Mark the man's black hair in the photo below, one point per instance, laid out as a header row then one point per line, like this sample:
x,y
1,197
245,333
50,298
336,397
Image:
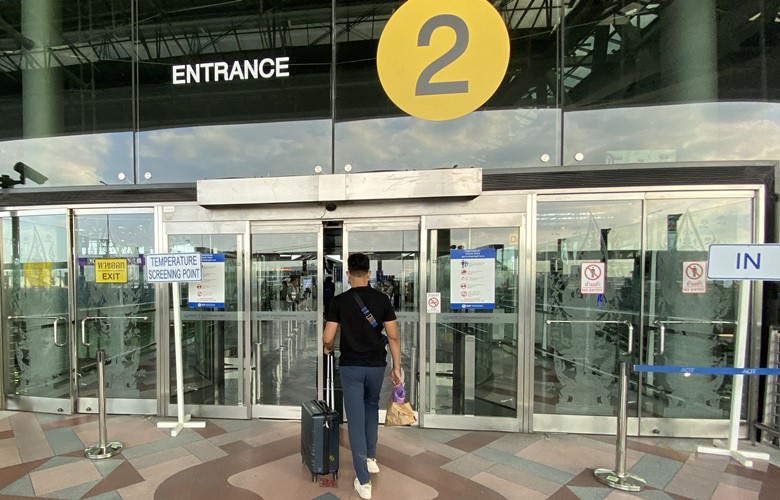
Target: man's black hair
x,y
358,263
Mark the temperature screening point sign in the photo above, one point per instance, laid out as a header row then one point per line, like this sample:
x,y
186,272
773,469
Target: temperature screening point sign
x,y
173,267
442,60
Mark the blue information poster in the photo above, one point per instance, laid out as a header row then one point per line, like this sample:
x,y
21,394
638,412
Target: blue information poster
x,y
473,279
210,291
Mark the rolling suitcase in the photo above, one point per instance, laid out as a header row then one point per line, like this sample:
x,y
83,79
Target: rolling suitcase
x,y
320,432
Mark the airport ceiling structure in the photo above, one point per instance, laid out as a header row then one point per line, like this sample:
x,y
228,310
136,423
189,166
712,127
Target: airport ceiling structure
x,y
569,54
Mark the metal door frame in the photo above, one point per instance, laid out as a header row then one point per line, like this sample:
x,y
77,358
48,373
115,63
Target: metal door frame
x,y
392,224
167,372
304,227
74,404
279,216
90,404
524,321
39,403
655,426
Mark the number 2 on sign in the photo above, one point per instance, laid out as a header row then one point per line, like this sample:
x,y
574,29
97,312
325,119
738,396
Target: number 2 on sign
x,y
442,60
424,84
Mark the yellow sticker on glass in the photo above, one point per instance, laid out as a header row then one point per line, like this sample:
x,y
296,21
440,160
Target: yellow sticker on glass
x,y
440,60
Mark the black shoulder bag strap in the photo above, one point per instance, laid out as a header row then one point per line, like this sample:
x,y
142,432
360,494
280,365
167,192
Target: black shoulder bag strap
x,y
364,309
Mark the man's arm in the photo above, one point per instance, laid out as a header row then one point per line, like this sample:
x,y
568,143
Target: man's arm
x,y
394,341
328,336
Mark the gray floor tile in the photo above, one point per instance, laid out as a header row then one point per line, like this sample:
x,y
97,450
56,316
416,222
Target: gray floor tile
x,y
56,461
468,465
110,495
21,487
656,471
541,470
63,440
73,492
161,445
107,466
586,493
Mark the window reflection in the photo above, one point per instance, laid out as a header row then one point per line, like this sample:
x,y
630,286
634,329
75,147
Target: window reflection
x,y
687,132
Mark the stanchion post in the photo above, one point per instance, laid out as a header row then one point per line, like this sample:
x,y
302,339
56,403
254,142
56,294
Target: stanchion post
x,y
618,478
104,449
183,420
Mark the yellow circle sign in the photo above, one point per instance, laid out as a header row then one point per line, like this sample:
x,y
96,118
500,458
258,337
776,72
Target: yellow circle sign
x,y
440,60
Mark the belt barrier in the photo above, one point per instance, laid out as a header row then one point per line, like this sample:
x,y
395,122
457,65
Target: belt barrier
x,y
706,370
729,448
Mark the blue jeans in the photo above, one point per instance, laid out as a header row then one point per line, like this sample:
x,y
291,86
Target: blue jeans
x,y
361,386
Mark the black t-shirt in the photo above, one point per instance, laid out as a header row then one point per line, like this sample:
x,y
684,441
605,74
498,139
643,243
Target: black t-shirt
x,y
361,344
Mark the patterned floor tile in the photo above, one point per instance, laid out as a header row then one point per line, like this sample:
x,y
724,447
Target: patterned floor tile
x,y
252,459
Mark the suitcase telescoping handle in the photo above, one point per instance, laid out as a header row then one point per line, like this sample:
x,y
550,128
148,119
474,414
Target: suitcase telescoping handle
x,y
330,398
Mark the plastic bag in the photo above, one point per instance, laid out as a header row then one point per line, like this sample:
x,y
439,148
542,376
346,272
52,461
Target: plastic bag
x,y
399,412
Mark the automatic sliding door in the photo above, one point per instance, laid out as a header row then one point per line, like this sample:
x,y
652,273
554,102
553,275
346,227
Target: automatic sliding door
x,y
286,322
394,251
473,345
214,347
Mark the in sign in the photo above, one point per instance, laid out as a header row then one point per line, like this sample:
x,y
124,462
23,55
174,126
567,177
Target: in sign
x,y
744,262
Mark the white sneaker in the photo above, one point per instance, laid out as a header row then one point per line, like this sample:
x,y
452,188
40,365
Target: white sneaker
x,y
364,490
373,467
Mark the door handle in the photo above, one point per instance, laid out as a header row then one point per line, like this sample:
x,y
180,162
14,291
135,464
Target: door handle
x,y
258,369
602,322
56,319
88,318
662,327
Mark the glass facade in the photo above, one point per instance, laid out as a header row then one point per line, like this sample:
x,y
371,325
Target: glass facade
x,y
143,92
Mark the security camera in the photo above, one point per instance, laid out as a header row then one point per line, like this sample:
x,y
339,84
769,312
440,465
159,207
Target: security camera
x,y
27,172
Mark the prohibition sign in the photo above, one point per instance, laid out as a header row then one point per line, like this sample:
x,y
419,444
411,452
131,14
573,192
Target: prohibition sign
x,y
694,271
433,302
592,272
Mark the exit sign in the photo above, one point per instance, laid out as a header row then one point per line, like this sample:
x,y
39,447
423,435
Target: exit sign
x,y
744,262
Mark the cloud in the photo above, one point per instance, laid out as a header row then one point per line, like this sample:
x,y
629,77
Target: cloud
x,y
246,150
72,160
695,132
498,139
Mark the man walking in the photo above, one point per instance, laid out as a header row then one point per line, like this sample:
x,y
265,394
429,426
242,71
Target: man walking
x,y
362,312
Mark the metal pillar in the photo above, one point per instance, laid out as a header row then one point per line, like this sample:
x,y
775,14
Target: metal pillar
x,y
102,449
618,478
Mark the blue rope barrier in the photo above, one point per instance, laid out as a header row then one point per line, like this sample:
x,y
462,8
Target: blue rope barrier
x,y
704,370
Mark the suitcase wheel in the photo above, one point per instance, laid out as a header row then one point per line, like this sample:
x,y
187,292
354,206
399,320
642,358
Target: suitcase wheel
x,y
313,478
335,475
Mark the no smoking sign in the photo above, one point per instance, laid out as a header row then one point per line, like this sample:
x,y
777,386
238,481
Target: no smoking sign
x,y
434,302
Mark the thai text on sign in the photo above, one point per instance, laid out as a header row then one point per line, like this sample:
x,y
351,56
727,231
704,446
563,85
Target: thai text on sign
x,y
110,270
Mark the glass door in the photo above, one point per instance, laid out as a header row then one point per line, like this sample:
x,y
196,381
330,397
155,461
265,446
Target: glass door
x,y
286,324
73,283
653,306
585,326
214,314
35,311
393,248
114,310
474,374
691,321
